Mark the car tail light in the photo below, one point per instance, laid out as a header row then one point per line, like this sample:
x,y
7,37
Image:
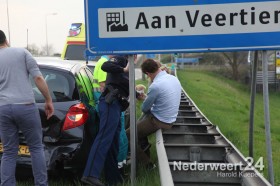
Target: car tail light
x,y
77,115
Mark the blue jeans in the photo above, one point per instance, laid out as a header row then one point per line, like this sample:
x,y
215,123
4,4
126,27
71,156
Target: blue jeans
x,y
24,117
104,150
123,141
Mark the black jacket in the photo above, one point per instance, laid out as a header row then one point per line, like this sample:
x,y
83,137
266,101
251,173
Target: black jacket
x,y
115,75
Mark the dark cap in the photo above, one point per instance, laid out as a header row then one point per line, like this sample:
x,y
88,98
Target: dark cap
x,y
2,37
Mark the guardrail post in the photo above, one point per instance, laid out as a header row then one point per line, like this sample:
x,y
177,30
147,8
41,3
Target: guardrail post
x,y
164,169
252,106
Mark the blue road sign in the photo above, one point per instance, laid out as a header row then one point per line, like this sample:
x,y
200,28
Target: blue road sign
x,y
187,60
151,56
170,26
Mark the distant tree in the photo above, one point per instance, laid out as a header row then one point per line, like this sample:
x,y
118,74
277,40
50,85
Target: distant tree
x,y
228,59
214,58
33,49
234,59
166,58
44,50
51,50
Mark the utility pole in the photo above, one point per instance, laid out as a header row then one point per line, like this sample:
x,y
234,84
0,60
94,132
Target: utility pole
x,y
8,22
27,39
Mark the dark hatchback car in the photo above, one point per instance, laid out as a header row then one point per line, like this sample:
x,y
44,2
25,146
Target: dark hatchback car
x,y
69,133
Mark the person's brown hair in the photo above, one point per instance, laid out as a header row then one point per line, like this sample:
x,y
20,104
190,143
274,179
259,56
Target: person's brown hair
x,y
149,66
2,37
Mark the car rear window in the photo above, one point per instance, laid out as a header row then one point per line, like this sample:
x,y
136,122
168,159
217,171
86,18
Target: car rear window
x,y
61,86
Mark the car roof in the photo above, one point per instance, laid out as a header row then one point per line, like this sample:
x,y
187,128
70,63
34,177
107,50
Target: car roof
x,y
68,65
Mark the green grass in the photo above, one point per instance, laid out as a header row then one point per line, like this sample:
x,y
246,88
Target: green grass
x,y
226,104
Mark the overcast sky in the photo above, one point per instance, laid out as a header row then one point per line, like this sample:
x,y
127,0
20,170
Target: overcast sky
x,y
33,15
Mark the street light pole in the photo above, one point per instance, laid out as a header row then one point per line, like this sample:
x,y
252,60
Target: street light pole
x,y
47,44
27,38
8,22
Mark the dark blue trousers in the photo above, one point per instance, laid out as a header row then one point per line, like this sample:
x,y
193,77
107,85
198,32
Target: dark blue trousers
x,y
24,117
104,150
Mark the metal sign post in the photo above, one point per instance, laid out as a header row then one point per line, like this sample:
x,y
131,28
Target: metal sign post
x,y
133,128
252,106
267,118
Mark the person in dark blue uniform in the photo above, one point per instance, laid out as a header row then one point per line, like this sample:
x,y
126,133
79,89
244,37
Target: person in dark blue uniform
x,y
112,102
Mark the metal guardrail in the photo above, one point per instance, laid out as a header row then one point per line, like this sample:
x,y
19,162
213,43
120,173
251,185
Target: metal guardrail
x,y
271,75
164,169
195,152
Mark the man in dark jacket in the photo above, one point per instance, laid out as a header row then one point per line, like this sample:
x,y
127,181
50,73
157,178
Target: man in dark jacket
x,y
104,150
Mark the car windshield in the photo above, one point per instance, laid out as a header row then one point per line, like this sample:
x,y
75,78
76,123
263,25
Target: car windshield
x,y
61,86
75,52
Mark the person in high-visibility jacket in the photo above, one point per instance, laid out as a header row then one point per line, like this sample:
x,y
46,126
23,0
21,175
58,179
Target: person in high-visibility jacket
x,y
99,78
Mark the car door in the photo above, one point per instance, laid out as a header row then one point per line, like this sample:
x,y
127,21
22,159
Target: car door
x,y
84,79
